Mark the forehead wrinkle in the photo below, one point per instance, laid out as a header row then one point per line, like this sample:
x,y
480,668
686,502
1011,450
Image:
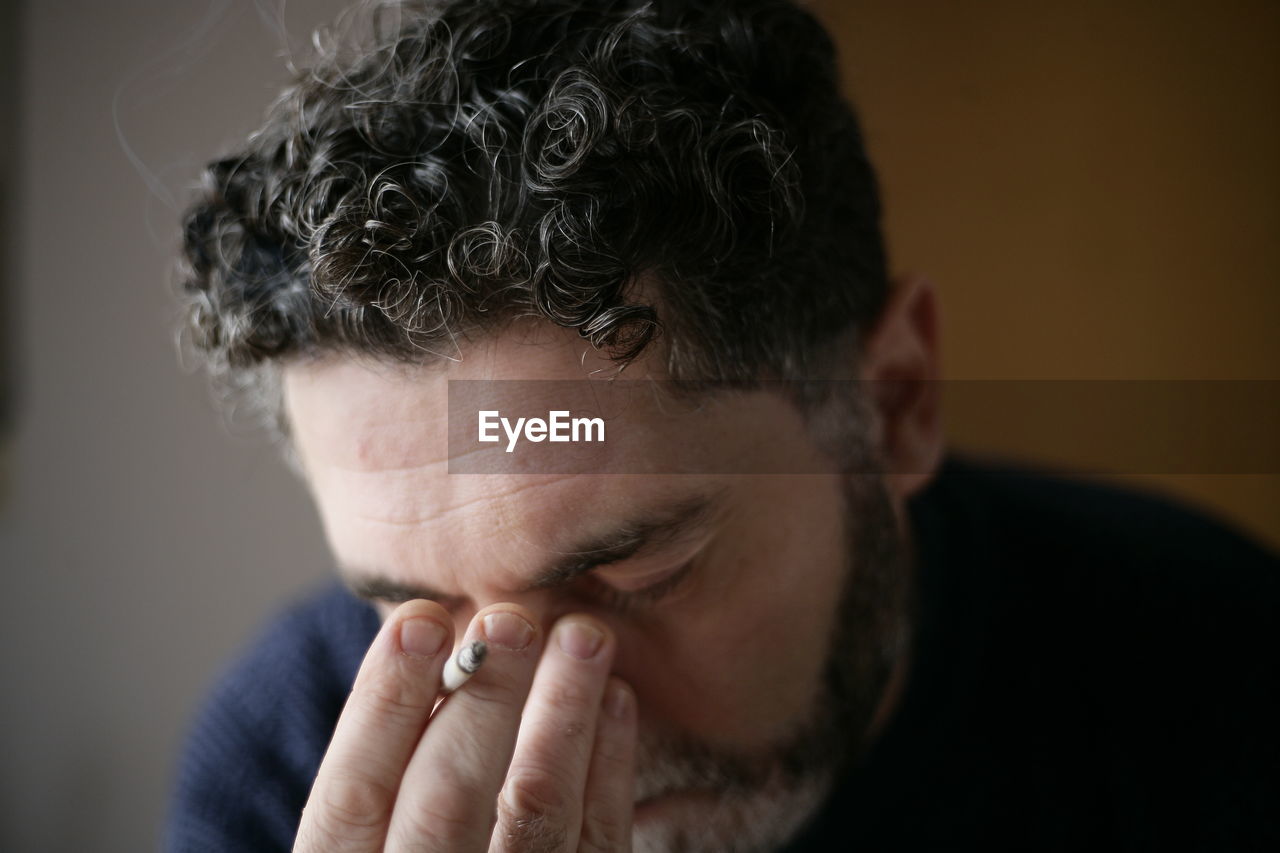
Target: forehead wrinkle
x,y
452,557
514,561
518,542
445,512
528,527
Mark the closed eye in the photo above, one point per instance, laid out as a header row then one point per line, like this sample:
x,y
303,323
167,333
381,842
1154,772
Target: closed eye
x,y
625,600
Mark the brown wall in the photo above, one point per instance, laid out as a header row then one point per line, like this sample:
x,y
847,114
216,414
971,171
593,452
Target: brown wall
x,y
1095,188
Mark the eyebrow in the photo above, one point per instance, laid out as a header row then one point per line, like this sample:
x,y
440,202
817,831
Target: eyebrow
x,y
647,532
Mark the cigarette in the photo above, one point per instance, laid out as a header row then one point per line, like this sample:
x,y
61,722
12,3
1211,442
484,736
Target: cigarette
x,y
463,665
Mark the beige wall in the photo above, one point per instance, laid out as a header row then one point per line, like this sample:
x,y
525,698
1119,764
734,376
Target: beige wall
x,y
1095,188
141,542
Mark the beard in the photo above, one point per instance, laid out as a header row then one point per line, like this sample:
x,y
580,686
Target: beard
x,y
763,799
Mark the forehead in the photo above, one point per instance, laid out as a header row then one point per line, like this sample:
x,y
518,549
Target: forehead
x,y
373,438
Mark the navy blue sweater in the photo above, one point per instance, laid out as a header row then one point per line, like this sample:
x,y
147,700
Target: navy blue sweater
x,y
1090,665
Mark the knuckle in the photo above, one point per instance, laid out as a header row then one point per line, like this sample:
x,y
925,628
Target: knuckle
x,y
567,696
479,747
395,698
533,810
353,806
450,817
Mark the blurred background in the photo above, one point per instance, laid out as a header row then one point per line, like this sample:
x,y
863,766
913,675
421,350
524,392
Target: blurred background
x,y
1094,188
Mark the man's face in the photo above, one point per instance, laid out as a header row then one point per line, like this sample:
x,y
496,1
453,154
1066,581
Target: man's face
x,y
730,594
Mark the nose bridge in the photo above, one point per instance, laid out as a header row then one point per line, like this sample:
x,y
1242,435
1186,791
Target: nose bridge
x,y
544,605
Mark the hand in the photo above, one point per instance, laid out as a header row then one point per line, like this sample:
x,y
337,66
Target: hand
x,y
516,760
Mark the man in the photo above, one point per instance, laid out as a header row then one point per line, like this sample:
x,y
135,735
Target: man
x,y
763,613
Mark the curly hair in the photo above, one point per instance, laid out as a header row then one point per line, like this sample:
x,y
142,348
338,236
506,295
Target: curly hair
x,y
468,162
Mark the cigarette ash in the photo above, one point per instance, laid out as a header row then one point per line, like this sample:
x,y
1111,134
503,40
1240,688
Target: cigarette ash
x,y
471,656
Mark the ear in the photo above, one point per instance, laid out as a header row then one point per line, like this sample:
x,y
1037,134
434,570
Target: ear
x,y
899,367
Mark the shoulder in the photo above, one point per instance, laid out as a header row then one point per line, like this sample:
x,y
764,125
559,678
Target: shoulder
x,y
304,660
254,747
1054,520
1126,647
1090,559
316,642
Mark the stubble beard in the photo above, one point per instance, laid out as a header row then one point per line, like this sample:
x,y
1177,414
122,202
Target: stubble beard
x,y
764,799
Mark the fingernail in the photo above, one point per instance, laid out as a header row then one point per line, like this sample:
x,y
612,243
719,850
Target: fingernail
x,y
421,638
617,701
579,639
507,630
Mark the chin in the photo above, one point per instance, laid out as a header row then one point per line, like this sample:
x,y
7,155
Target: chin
x,y
706,821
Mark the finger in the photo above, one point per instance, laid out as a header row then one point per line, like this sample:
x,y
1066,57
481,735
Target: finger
x,y
610,797
540,807
354,794
447,796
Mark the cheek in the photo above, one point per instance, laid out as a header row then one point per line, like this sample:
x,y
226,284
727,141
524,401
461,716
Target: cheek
x,y
746,680
743,661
